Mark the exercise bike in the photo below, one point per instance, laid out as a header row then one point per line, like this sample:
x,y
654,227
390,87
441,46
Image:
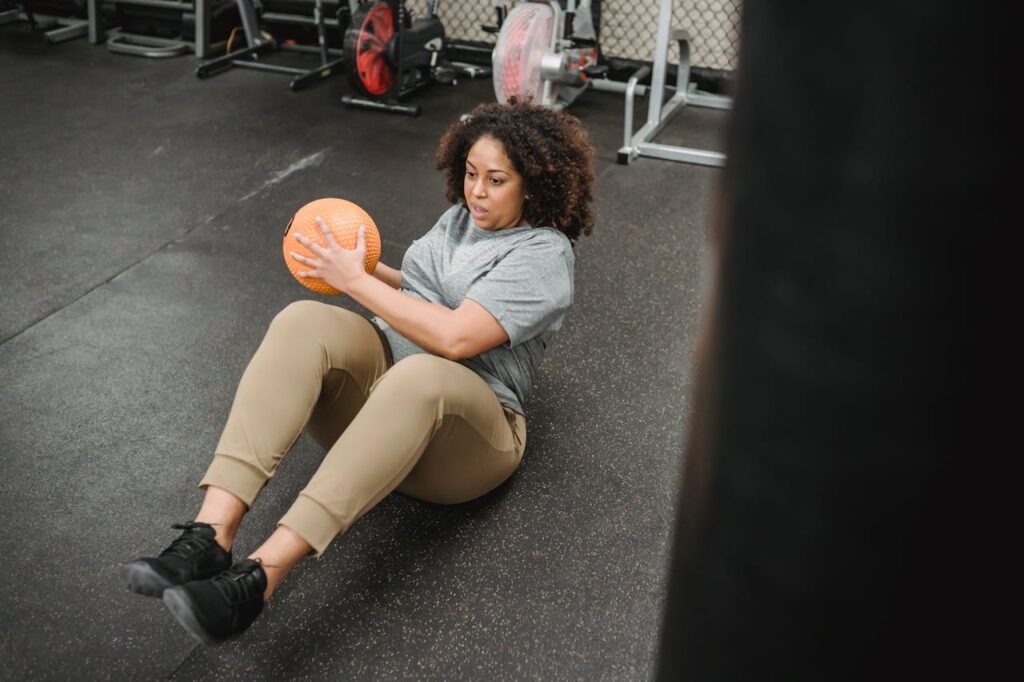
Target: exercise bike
x,y
546,52
389,55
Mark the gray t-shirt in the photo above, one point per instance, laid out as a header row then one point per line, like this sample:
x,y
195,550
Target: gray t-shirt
x,y
523,276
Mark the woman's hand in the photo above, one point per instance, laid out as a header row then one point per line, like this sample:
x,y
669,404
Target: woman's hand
x,y
334,264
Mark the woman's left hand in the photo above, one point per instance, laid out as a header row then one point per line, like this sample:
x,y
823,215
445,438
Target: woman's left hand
x,y
334,264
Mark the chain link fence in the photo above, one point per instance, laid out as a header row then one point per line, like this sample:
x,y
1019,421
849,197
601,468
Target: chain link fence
x,y
627,27
628,30
462,19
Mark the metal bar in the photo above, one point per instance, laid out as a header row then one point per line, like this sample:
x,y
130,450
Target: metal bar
x,y
674,104
94,22
671,152
249,23
694,97
201,47
683,68
390,107
639,137
263,66
660,59
309,49
298,19
321,36
144,46
465,47
471,70
69,30
135,39
313,75
608,85
41,22
709,101
164,4
55,29
631,88
214,66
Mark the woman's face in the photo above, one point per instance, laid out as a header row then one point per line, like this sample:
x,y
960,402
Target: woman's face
x,y
493,189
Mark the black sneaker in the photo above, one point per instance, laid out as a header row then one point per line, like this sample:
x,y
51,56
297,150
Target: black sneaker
x,y
195,555
220,608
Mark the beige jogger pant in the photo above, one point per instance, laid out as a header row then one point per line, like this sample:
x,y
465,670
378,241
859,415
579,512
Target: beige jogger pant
x,y
427,426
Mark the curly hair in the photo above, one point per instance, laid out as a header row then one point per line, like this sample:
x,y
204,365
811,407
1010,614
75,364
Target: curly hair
x,y
549,148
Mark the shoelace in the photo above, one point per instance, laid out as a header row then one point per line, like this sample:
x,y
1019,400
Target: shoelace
x,y
188,543
232,583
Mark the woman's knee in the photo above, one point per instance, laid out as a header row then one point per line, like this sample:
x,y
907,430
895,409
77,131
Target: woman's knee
x,y
417,377
301,314
316,322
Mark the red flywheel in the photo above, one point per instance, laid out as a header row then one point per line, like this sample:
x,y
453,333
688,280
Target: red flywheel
x,y
366,49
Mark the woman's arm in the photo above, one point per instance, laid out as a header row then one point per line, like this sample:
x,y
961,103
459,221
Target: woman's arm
x,y
453,334
388,275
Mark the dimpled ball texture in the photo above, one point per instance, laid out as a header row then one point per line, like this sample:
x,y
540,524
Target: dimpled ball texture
x,y
344,219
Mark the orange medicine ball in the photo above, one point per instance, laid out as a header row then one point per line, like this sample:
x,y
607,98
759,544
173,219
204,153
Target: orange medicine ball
x,y
344,219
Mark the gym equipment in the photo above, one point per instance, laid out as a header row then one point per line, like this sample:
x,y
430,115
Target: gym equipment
x,y
58,20
344,219
161,28
547,52
260,44
642,142
389,55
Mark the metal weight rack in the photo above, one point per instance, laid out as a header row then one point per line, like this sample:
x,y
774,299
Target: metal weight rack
x,y
659,112
152,46
56,29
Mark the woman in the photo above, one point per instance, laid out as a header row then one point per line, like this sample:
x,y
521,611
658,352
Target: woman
x,y
427,399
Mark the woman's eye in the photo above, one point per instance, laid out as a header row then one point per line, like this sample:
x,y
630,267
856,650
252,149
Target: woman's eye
x,y
495,181
470,174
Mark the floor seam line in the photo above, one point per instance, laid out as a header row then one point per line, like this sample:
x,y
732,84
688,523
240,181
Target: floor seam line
x,y
178,238
106,281
184,660
142,260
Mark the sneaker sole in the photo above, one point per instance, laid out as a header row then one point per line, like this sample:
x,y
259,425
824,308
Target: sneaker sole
x,y
181,607
142,579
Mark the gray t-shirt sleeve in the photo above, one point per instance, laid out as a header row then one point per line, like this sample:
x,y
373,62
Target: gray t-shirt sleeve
x,y
530,289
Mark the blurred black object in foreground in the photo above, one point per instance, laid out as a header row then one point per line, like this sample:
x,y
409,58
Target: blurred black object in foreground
x,y
848,403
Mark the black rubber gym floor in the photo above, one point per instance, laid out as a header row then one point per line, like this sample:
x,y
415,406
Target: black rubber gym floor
x,y
141,212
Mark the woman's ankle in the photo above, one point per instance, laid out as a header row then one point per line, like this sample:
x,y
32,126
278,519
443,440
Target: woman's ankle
x,y
224,511
275,574
225,533
281,552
